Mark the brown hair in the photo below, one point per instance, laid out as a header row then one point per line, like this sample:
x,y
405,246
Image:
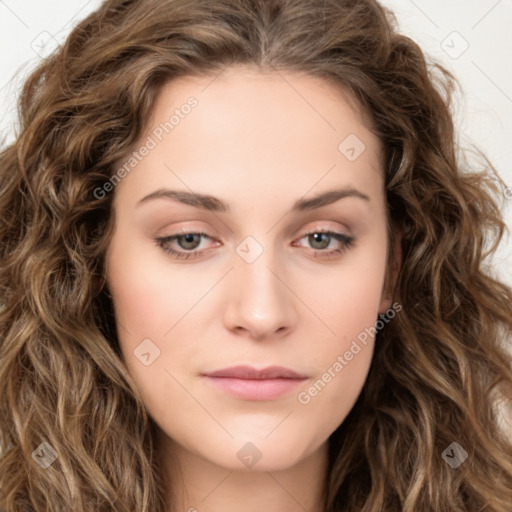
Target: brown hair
x,y
438,366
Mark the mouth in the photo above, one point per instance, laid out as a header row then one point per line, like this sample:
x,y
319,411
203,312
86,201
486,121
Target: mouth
x,y
248,383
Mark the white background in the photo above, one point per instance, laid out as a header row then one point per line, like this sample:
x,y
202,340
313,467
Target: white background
x,y
472,38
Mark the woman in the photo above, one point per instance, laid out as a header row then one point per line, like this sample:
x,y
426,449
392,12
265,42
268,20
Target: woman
x,y
242,266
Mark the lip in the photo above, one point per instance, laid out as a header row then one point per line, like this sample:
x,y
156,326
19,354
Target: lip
x,y
249,383
248,372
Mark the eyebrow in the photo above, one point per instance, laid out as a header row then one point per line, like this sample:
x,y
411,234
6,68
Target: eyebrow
x,y
214,204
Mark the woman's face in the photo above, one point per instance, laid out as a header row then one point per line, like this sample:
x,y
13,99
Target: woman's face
x,y
256,162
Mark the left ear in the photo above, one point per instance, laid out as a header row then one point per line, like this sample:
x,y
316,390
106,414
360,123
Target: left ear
x,y
391,274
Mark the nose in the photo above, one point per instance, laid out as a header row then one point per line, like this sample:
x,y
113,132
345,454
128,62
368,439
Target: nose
x,y
262,303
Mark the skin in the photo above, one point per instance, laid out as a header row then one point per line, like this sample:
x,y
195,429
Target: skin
x,y
258,141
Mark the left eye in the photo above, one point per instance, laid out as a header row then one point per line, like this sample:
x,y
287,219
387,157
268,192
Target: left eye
x,y
188,243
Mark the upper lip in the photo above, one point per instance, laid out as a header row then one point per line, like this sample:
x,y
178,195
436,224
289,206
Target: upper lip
x,y
248,372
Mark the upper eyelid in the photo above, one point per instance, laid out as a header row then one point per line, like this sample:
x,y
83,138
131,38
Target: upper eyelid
x,y
345,230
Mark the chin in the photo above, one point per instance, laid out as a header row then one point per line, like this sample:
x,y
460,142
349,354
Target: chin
x,y
256,454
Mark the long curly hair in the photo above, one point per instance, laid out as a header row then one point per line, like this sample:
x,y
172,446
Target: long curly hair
x,y
441,371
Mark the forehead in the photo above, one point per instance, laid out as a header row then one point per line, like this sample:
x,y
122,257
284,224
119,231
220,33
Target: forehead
x,y
254,131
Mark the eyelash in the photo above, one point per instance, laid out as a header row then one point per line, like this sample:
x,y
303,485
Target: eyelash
x,y
346,241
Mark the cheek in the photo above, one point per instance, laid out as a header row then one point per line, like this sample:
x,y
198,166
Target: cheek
x,y
148,298
342,368
348,307
346,299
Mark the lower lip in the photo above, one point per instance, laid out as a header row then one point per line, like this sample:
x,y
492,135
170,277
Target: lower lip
x,y
255,389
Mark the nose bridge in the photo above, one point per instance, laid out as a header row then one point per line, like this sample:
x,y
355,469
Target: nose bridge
x,y
258,267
